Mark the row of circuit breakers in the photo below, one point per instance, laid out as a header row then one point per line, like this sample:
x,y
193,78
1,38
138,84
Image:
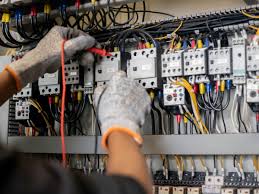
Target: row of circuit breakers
x,y
148,68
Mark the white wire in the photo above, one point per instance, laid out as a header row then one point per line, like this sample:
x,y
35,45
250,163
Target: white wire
x,y
245,115
233,111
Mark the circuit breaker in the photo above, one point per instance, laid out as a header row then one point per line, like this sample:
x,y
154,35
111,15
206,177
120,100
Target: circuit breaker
x,y
25,92
106,67
253,58
143,67
172,64
244,191
228,191
220,61
195,61
22,110
239,60
252,90
49,84
73,73
173,95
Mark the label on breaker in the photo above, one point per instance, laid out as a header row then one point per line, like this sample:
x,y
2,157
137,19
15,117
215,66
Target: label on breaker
x,y
142,64
173,95
195,62
220,61
172,64
105,68
239,57
252,58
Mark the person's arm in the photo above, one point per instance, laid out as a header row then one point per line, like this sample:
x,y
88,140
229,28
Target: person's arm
x,y
7,86
45,58
126,159
121,107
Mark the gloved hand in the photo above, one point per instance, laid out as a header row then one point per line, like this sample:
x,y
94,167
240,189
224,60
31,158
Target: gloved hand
x,y
45,58
121,106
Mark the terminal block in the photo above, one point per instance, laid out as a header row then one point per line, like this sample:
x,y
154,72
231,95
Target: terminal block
x,y
106,67
220,61
252,90
143,67
25,92
228,191
179,190
164,190
173,95
73,74
239,60
195,61
22,110
253,58
193,190
213,184
49,84
244,191
172,64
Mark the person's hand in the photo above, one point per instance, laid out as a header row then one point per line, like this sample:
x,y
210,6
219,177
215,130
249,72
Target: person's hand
x,y
45,58
121,106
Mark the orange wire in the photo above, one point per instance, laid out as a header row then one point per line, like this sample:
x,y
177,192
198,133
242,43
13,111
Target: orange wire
x,y
62,115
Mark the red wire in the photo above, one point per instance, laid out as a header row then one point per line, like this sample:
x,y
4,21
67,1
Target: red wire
x,y
62,115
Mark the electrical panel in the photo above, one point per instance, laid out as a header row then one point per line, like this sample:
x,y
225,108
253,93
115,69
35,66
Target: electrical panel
x,y
172,63
203,86
49,84
195,61
220,61
252,90
173,95
239,60
143,67
253,58
106,67
22,110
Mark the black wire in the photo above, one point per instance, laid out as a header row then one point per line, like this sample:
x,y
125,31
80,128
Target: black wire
x,y
179,128
240,117
153,122
144,11
222,116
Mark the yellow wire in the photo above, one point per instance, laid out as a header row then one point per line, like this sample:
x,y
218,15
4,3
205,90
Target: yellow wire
x,y
178,163
173,33
249,15
203,164
221,161
195,106
241,161
255,162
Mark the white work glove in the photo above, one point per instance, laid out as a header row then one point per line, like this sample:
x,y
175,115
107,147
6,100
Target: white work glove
x,y
121,105
45,58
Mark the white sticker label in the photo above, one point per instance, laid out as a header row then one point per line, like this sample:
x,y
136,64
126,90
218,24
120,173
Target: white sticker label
x,y
197,62
257,57
146,67
173,64
222,61
74,73
51,75
110,70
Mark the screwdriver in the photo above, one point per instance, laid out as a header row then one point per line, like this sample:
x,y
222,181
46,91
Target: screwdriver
x,y
100,52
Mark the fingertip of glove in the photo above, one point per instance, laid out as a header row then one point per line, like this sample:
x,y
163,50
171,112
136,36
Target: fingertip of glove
x,y
15,77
